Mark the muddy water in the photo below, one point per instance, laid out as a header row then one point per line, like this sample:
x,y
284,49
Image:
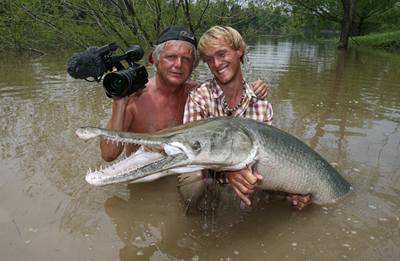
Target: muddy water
x,y
346,105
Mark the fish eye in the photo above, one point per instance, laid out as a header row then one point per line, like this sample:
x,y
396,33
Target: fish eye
x,y
196,146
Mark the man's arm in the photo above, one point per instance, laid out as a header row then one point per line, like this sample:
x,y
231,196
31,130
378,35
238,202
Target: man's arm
x,y
260,89
119,121
195,108
243,182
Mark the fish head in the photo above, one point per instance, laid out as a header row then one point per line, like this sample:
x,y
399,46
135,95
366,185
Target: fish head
x,y
217,144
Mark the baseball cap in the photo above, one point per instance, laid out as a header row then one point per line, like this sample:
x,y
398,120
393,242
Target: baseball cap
x,y
176,33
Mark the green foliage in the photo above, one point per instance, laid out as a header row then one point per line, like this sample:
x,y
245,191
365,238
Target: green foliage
x,y
388,40
373,16
16,27
351,17
72,24
63,24
368,15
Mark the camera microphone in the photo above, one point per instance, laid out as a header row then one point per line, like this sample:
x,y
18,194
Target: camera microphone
x,y
95,61
86,64
135,53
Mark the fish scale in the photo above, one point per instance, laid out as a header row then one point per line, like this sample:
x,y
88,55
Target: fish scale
x,y
299,169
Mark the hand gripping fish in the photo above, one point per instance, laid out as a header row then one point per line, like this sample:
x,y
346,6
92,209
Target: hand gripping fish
x,y
225,143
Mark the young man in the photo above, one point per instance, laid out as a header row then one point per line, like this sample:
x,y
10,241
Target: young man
x,y
228,94
161,104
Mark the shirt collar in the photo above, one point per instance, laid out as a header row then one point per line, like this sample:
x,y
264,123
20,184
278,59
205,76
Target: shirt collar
x,y
217,91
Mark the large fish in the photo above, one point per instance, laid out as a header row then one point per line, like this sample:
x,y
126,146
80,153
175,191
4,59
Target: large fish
x,y
227,143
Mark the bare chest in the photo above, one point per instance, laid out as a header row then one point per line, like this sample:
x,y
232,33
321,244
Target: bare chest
x,y
155,115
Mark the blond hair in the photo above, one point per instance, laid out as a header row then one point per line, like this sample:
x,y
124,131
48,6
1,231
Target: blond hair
x,y
211,38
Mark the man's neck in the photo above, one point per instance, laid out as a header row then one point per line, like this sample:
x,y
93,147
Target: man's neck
x,y
233,90
166,89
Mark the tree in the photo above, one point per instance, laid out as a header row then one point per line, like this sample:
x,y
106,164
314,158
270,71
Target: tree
x,y
349,15
62,24
373,16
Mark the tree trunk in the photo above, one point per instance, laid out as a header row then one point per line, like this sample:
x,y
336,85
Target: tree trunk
x,y
349,7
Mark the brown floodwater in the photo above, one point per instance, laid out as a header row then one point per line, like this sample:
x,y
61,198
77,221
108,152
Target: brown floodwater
x,y
345,105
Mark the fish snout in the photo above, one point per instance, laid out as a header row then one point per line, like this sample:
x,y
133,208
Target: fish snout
x,y
85,133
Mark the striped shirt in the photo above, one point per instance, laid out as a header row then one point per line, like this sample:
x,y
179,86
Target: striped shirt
x,y
206,101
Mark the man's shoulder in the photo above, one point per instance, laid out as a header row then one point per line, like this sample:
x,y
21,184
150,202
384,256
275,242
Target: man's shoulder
x,y
142,94
134,97
203,87
208,83
201,93
191,85
137,99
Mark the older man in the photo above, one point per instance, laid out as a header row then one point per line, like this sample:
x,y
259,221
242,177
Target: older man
x,y
160,105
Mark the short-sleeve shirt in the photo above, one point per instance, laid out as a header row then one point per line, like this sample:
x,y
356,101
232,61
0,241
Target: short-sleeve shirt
x,y
207,101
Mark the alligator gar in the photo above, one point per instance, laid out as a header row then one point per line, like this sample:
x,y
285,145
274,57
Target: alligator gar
x,y
227,143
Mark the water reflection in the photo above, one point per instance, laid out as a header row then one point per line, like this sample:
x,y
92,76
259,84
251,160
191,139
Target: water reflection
x,y
146,229
346,105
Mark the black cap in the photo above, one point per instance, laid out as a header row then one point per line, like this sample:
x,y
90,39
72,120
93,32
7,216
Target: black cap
x,y
176,33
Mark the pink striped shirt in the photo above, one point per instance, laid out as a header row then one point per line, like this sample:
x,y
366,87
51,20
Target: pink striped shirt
x,y
206,101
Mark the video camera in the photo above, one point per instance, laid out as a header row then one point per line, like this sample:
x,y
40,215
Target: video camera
x,y
95,61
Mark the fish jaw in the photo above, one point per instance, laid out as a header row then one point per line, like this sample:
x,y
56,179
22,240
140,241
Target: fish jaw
x,y
87,133
142,166
117,172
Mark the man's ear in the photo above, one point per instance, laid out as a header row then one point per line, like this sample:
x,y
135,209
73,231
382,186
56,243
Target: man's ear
x,y
240,53
150,59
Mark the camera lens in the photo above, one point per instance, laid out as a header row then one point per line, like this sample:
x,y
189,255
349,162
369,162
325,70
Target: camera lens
x,y
116,83
125,82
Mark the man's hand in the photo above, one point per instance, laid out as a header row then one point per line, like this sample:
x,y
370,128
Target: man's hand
x,y
260,89
121,101
243,182
109,150
299,201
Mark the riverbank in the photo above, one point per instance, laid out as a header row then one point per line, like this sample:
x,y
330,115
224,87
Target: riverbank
x,y
388,41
